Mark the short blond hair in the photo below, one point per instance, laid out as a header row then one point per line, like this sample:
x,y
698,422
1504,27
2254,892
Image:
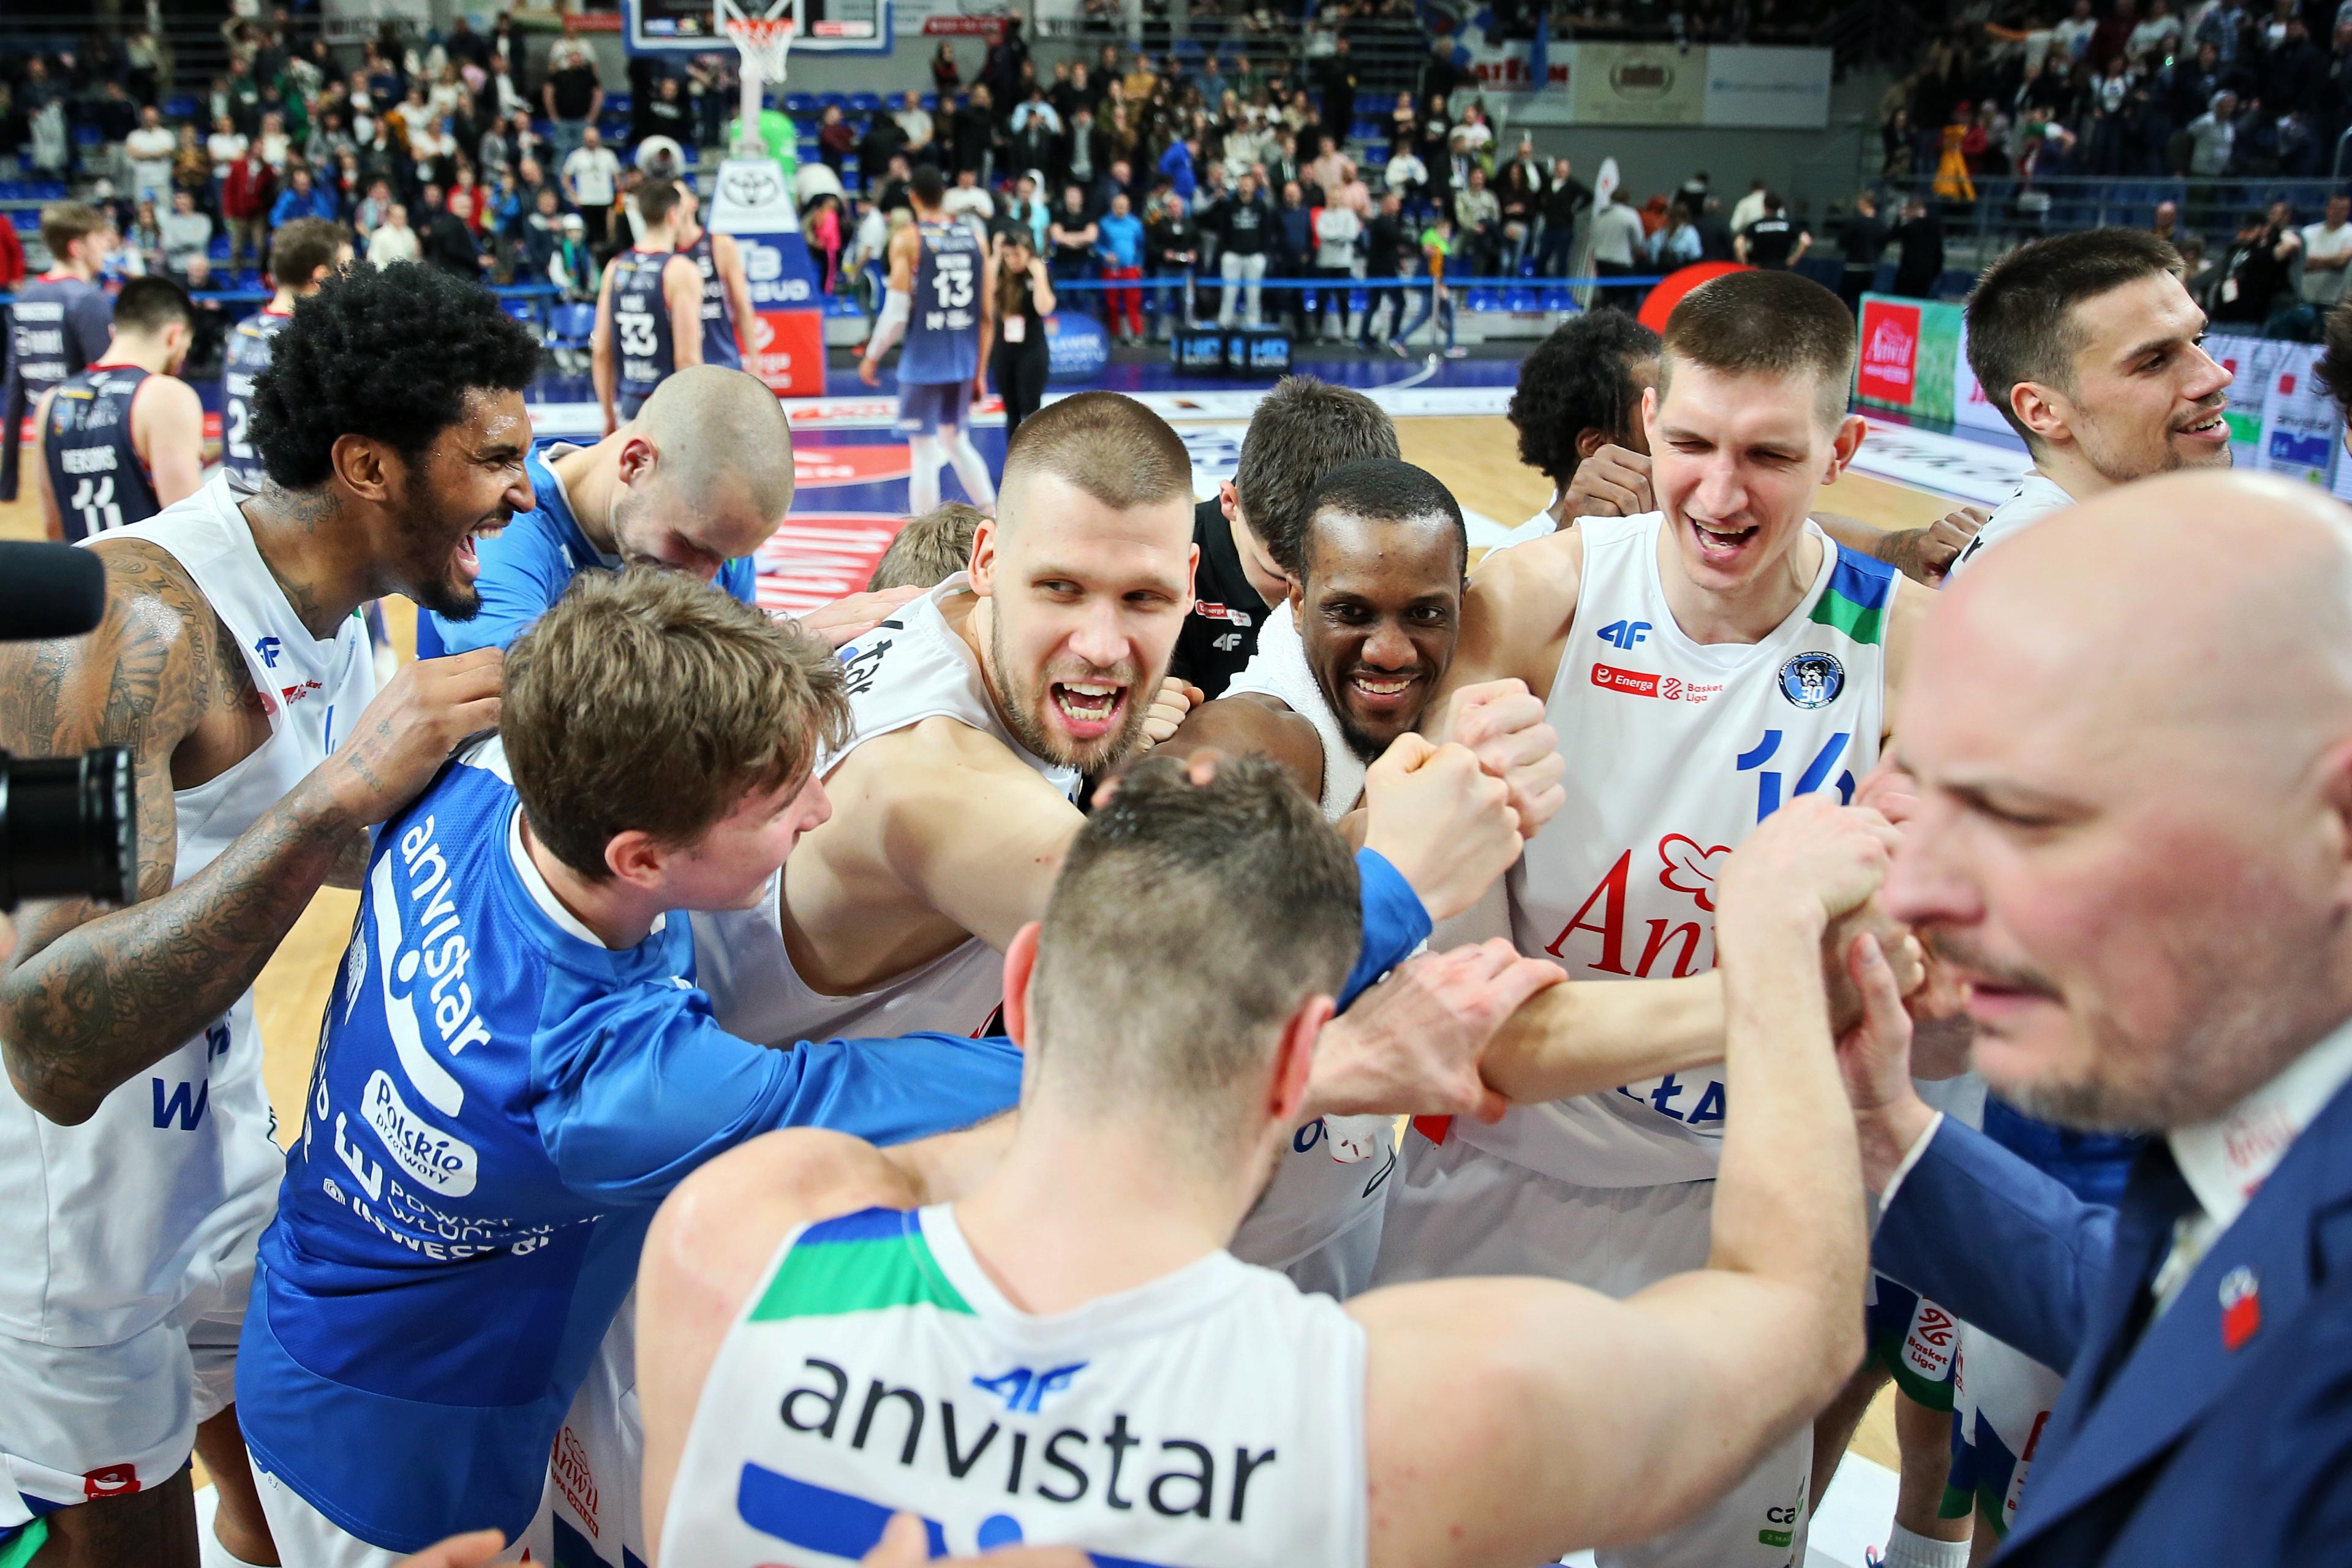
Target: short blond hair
x,y
929,549
648,701
1110,447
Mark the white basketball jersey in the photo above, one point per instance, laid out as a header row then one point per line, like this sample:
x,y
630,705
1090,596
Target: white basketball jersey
x,y
2037,497
1335,1175
1212,1418
1675,749
911,668
108,1224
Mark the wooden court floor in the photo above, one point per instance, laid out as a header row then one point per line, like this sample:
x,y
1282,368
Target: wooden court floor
x,y
1475,458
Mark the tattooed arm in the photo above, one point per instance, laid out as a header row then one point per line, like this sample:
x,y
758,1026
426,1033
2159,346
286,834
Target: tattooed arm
x,y
97,995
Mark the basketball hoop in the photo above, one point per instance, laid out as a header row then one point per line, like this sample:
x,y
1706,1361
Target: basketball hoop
x,y
764,42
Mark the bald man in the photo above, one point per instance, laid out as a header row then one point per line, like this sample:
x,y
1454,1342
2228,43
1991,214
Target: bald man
x,y
2133,840
697,482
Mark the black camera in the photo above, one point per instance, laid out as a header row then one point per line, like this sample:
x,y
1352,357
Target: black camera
x,y
69,826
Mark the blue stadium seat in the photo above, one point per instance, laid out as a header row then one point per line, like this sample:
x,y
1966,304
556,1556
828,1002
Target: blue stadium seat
x,y
569,326
180,106
825,101
801,103
930,102
618,103
86,136
866,102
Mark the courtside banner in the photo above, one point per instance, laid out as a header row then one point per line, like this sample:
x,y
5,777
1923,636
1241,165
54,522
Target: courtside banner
x,y
785,340
1907,351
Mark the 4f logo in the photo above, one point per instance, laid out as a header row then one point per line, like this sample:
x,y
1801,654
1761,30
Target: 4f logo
x,y
1228,643
267,649
1024,1389
1625,634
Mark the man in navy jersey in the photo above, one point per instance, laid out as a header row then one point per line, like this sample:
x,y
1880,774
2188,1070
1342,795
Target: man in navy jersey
x,y
301,254
726,287
937,298
118,442
649,313
58,322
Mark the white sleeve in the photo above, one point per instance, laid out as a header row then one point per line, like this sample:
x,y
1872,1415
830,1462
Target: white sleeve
x,y
897,309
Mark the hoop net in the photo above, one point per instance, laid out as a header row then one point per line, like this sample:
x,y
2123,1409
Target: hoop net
x,y
765,43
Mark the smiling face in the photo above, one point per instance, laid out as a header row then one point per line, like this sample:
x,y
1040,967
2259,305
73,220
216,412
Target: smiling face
x,y
1379,613
467,484
1085,601
2147,398
1736,459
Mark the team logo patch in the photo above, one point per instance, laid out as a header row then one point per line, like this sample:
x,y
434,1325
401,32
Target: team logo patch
x,y
1813,680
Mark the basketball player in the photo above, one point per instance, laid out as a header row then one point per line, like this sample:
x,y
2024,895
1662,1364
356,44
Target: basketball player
x,y
1247,536
726,287
117,443
697,480
2092,350
1703,665
929,549
301,254
976,711
1055,1346
520,1068
57,325
1577,412
936,299
390,422
648,312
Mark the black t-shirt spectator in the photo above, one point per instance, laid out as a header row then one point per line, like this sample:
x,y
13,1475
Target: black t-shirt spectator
x,y
575,90
1564,200
1859,238
1221,633
1770,238
1387,241
1715,238
1241,225
1921,260
2259,278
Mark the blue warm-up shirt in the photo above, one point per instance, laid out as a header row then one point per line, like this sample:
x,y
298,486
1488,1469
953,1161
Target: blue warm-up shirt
x,y
526,568
500,1103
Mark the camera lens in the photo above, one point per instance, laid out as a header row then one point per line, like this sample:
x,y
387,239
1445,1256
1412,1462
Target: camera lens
x,y
67,827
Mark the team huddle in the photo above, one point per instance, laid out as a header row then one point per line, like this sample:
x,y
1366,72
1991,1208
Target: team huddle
x,y
945,1057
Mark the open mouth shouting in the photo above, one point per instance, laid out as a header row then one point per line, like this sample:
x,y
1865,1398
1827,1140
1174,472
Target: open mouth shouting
x,y
467,557
1087,709
1720,545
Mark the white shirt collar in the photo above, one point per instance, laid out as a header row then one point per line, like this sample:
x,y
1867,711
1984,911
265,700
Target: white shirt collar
x,y
544,896
2227,1159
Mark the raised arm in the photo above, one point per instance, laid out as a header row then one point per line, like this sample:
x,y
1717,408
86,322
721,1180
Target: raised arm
x,y
1511,1420
53,517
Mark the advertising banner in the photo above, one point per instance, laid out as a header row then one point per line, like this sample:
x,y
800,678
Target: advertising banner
x,y
785,340
1908,351
1767,89
1637,84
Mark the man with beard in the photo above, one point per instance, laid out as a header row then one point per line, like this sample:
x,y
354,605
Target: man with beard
x,y
2128,840
135,1132
978,710
697,482
975,712
2088,345
1703,664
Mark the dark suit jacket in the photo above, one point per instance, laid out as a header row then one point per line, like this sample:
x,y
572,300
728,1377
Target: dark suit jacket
x,y
2167,1447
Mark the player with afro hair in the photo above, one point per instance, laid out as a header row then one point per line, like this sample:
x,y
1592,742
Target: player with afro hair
x,y
1578,409
393,401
